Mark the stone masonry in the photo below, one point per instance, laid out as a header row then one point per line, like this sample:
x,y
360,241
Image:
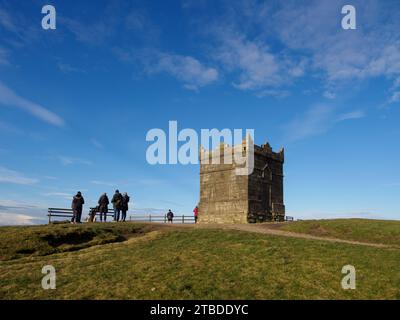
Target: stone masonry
x,y
226,197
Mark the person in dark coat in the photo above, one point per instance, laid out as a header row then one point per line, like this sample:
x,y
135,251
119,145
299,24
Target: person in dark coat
x,y
117,204
77,206
103,206
124,207
170,216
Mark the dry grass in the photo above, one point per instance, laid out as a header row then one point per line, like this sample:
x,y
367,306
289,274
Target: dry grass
x,y
198,263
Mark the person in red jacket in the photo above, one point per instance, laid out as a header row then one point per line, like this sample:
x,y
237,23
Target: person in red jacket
x,y
196,213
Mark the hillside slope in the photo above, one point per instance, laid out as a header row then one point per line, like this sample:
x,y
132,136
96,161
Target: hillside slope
x,y
142,261
363,230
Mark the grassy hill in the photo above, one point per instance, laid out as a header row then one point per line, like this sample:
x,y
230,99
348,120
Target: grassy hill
x,y
149,261
363,230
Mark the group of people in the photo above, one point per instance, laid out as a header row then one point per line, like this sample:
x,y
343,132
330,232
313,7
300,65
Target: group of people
x,y
119,201
120,204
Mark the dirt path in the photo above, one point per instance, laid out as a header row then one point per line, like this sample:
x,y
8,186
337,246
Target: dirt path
x,y
274,230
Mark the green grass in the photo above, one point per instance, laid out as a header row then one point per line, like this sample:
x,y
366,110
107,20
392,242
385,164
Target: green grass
x,y
154,262
363,230
18,242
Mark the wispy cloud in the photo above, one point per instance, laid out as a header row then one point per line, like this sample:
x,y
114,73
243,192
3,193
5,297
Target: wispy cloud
x,y
257,65
15,177
103,183
4,54
273,43
351,115
67,68
50,178
90,33
7,22
9,98
19,26
395,97
97,144
58,194
192,72
317,120
187,69
371,51
66,161
9,128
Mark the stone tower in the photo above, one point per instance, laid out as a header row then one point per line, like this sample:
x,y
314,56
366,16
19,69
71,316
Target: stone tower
x,y
226,197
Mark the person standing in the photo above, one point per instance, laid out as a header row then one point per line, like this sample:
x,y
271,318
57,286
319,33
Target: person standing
x,y
117,204
196,213
124,207
170,216
103,206
77,206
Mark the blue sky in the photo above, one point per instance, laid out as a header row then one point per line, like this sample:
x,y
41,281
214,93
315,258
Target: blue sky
x,y
76,102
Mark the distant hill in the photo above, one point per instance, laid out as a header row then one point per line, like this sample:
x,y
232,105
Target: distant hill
x,y
156,261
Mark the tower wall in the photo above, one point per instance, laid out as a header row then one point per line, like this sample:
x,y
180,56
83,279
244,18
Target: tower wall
x,y
223,194
226,197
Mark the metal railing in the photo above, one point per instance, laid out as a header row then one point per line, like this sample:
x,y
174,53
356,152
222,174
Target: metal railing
x,y
68,213
162,218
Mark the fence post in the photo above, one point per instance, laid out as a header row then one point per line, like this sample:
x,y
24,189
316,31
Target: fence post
x,y
130,218
150,217
183,218
165,218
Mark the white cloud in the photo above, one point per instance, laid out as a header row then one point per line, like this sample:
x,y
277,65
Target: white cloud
x,y
258,67
9,219
370,51
19,213
14,177
185,68
10,98
189,70
329,95
273,43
